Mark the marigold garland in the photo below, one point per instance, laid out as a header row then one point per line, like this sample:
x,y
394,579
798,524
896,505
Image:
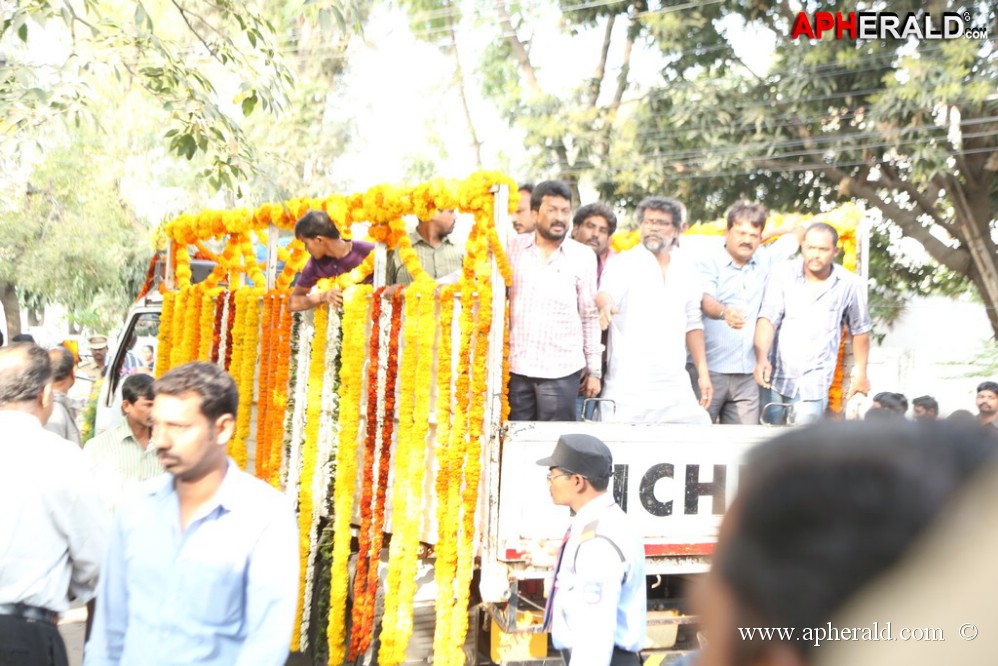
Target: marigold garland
x,y
281,393
165,338
410,470
265,400
362,596
355,301
206,326
310,448
216,331
249,342
449,467
384,464
230,326
150,278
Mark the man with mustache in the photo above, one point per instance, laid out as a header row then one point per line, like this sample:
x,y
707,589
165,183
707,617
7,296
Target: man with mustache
x,y
523,222
203,562
438,256
734,276
593,225
806,303
649,298
554,327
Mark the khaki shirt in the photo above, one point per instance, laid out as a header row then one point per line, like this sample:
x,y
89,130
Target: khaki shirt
x,y
437,261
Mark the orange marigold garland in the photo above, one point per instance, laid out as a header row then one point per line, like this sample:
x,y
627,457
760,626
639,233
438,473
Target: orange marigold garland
x,y
355,301
263,442
230,325
362,596
836,390
216,332
384,463
282,388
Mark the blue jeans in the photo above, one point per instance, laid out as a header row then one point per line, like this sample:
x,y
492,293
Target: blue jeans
x,y
797,412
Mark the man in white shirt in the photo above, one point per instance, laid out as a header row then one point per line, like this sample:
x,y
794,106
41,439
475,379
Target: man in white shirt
x,y
53,530
649,299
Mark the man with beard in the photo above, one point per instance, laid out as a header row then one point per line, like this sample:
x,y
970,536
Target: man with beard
x,y
554,326
203,562
593,225
987,404
650,301
805,305
439,257
734,275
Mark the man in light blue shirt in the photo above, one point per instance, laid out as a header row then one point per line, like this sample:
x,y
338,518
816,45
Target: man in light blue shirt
x,y
203,563
734,275
597,608
807,302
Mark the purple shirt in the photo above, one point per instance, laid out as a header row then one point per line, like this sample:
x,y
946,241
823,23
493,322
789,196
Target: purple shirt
x,y
327,267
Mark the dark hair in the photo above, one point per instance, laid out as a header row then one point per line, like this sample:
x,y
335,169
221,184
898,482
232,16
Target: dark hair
x,y
1,338
926,402
664,205
747,211
548,188
896,402
216,388
827,228
23,337
599,484
62,364
526,187
881,413
136,387
823,510
315,223
962,416
596,209
25,369
988,386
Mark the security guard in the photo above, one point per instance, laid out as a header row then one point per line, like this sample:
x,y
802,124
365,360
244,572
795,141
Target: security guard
x,y
597,606
95,368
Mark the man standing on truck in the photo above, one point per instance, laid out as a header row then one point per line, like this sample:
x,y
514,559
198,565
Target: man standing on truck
x,y
734,276
331,255
554,326
805,305
438,256
987,404
203,562
597,607
650,301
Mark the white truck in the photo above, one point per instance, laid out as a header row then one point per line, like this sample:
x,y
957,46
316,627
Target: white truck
x,y
674,480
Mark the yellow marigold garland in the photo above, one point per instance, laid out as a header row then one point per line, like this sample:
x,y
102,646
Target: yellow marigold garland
x,y
416,377
448,477
177,325
355,302
263,439
246,373
207,325
306,507
165,338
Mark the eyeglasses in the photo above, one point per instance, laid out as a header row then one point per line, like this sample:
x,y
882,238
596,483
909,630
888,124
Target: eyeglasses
x,y
657,224
551,476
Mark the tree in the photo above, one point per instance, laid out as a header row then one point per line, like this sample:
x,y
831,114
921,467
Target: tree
x,y
73,242
569,136
909,128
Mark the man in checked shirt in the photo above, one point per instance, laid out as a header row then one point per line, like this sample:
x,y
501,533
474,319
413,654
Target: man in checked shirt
x,y
554,337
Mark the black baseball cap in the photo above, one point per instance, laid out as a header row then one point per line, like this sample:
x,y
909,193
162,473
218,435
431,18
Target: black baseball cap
x,y
581,454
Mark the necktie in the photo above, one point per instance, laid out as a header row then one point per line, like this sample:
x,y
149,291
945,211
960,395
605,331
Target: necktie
x,y
549,606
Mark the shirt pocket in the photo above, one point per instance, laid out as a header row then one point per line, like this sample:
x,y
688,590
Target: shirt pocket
x,y
215,592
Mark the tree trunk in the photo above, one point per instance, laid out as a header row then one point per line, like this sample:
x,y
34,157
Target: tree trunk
x,y
11,308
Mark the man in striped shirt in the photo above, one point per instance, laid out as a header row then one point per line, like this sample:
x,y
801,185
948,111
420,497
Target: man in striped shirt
x,y
121,458
554,336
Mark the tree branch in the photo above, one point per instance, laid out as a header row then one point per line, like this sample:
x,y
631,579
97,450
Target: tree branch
x,y
597,81
896,182
519,51
633,28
